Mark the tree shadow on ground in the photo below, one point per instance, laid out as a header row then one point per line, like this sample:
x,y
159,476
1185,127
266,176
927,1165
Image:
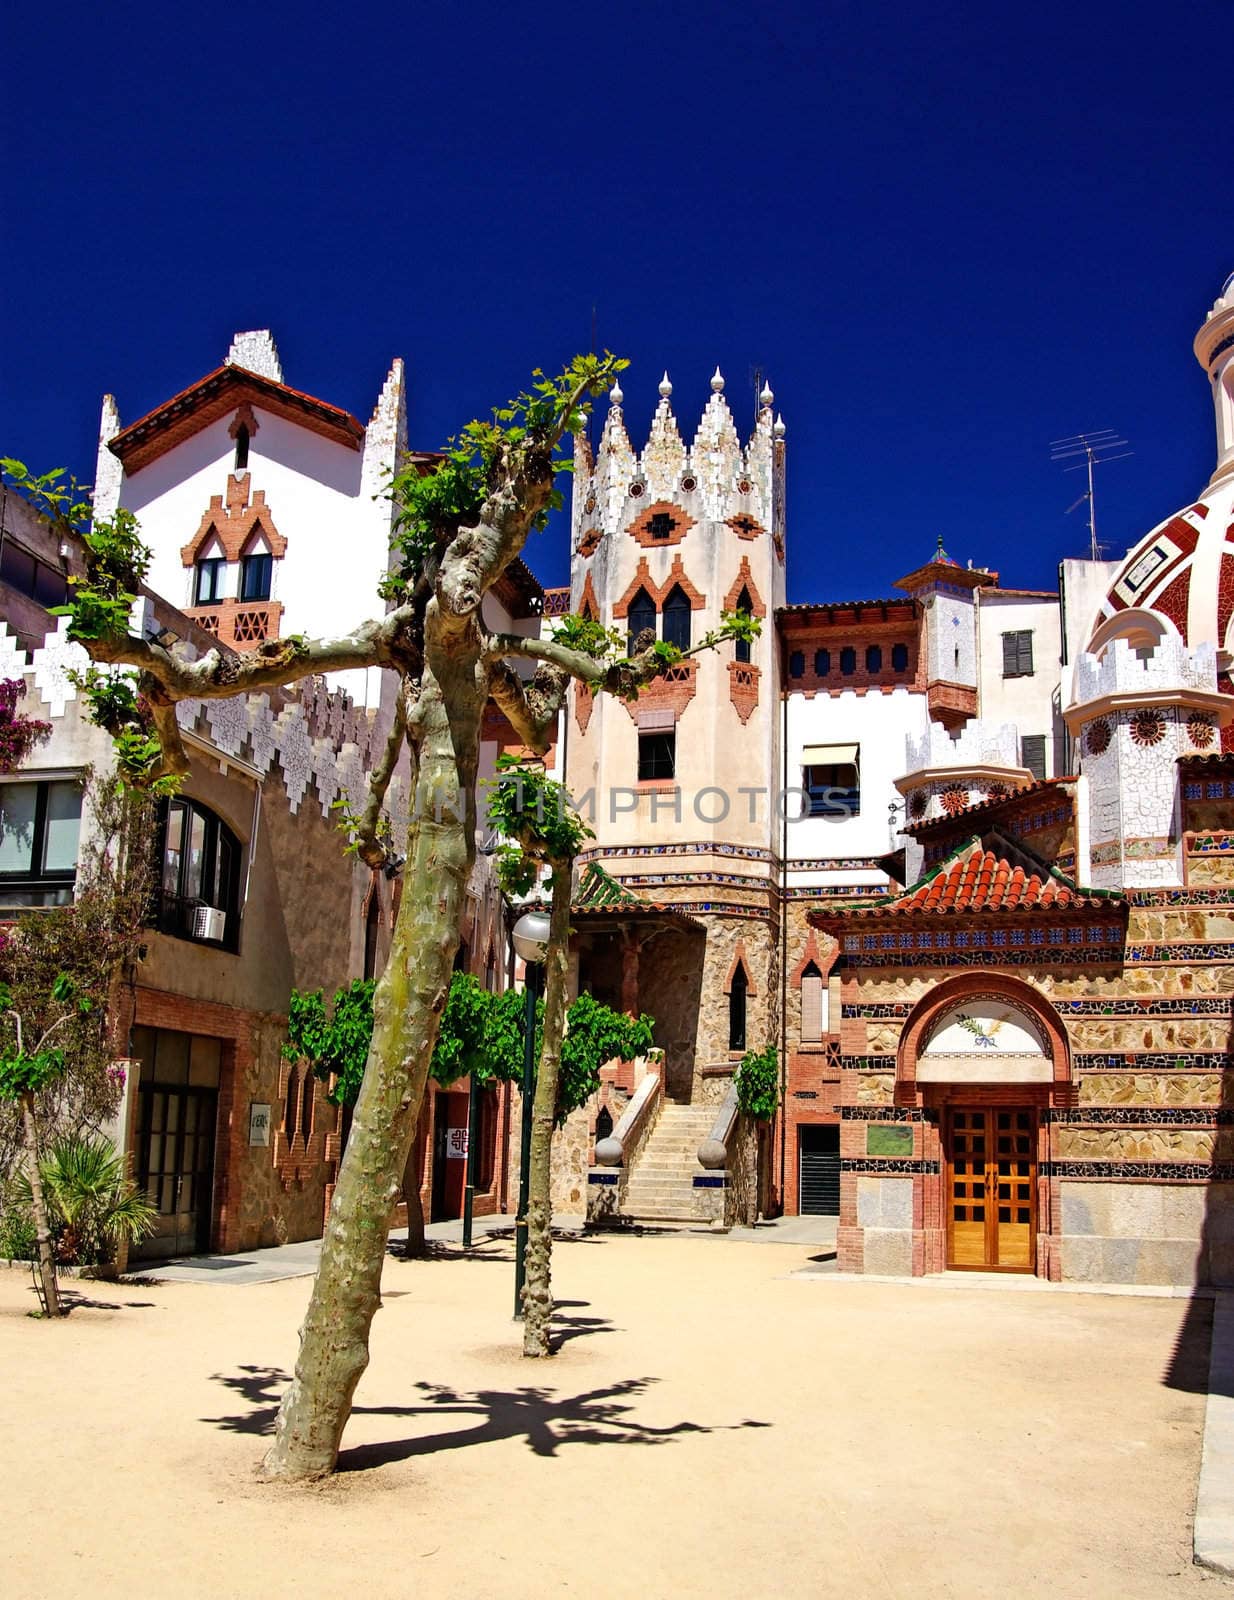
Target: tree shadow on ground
x,y
565,1328
545,1419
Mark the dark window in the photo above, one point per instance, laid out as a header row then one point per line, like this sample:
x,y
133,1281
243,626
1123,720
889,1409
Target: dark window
x,y
677,618
1018,654
874,658
834,791
462,956
39,828
242,447
848,661
30,576
657,756
306,1105
737,1009
640,616
822,663
604,1124
372,922
899,657
661,525
741,650
291,1106
255,574
201,876
1032,753
797,664
209,589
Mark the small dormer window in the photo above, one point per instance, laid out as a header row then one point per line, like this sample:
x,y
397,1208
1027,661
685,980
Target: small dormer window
x,y
242,447
256,574
208,585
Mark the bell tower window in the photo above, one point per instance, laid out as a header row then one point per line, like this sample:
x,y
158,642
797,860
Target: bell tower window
x,y
745,606
677,618
242,447
640,616
661,525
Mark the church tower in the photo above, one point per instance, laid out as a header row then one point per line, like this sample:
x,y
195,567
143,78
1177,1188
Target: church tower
x,y
684,781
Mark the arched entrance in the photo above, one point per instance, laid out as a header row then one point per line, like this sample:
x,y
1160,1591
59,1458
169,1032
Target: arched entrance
x,y
985,1057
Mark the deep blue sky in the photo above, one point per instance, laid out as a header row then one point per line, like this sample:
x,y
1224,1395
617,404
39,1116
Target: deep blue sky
x,y
948,233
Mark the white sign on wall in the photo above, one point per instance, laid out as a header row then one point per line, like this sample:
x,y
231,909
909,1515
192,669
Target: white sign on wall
x,y
456,1144
259,1123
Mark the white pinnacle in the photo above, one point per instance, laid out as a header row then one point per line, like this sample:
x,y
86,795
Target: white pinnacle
x,y
779,430
717,381
766,397
615,395
666,387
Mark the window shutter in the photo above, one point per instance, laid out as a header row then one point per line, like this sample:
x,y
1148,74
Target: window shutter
x,y
1010,654
1032,754
811,1009
1024,654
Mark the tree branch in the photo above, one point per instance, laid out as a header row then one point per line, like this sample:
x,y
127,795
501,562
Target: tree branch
x,y
531,708
277,662
622,676
371,850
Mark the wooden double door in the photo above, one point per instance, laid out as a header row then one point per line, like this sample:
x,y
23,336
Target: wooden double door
x,y
992,1188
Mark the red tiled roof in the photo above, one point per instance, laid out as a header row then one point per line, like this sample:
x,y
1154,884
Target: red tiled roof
x,y
985,874
214,396
979,880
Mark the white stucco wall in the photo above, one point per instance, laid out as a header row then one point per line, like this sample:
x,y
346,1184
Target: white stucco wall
x,y
1028,703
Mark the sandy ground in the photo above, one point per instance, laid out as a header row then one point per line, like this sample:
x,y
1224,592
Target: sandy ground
x,y
711,1426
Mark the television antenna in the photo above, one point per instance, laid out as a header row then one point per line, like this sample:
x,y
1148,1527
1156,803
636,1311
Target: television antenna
x,y
1085,451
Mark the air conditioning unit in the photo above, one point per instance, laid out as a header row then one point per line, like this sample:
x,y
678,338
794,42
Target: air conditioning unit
x,y
209,923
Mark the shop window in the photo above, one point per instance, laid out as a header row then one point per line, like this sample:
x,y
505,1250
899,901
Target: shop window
x,y
899,657
208,587
848,661
822,663
811,1005
199,891
741,650
874,658
39,828
657,756
831,777
677,618
1018,654
737,994
1032,754
256,575
797,664
640,617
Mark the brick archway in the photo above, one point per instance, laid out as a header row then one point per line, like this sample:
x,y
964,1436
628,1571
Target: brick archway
x,y
950,992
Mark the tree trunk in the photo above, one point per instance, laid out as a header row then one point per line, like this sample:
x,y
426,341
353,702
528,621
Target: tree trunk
x,y
42,1232
538,1285
416,1244
407,1007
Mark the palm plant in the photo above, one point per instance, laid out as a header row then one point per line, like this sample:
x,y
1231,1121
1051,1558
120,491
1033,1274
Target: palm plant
x,y
94,1204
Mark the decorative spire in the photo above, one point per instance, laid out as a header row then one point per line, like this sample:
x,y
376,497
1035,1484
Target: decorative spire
x,y
255,351
664,457
766,397
941,555
615,396
779,430
666,387
717,382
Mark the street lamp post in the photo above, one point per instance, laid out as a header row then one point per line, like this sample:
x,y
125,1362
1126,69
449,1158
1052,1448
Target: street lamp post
x,y
531,942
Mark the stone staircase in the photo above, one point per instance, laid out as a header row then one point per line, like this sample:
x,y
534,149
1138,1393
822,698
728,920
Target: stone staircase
x,y
661,1183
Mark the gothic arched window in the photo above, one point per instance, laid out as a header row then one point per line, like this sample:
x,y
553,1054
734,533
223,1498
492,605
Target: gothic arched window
x,y
737,1008
677,618
640,616
745,606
